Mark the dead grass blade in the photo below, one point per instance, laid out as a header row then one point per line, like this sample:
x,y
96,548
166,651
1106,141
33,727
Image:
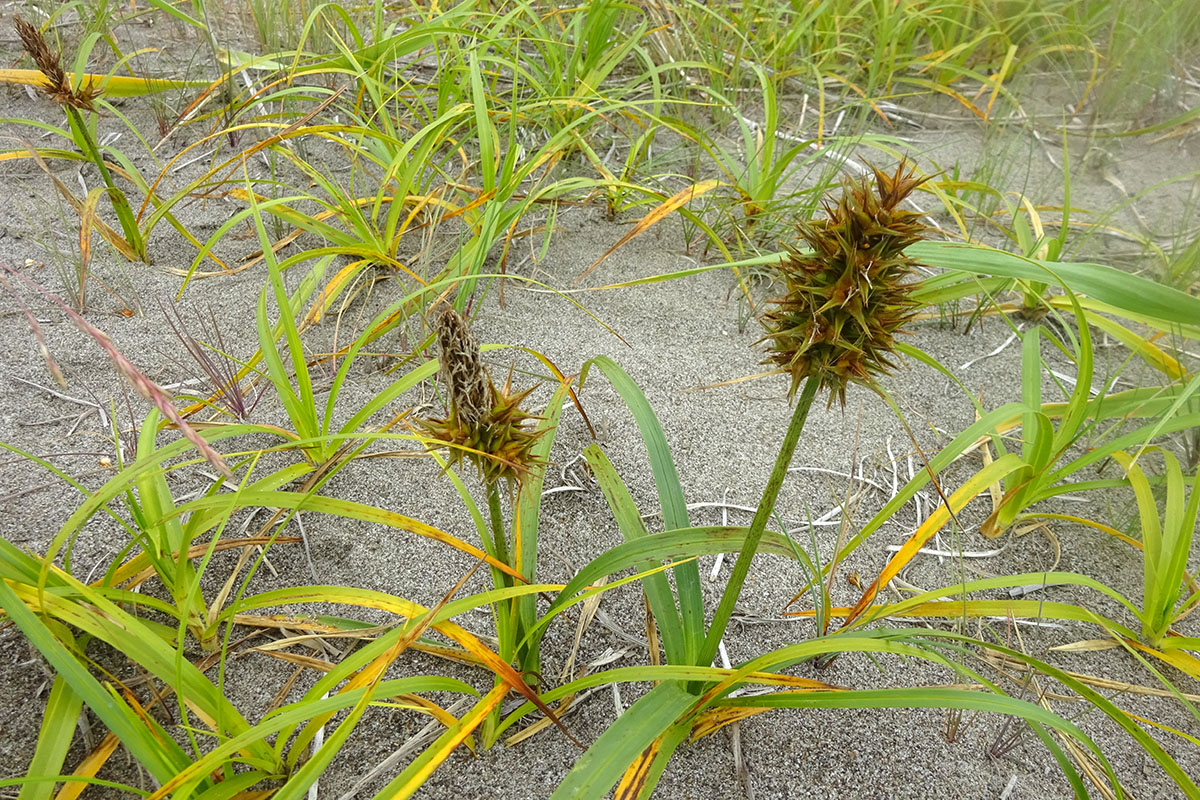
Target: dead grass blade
x,y
110,235
282,695
132,574
586,615
299,659
326,631
88,217
88,768
1011,664
43,349
656,215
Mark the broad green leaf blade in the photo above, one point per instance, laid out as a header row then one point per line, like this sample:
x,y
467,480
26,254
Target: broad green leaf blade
x,y
629,521
1076,408
527,519
1122,290
610,755
670,497
54,739
667,546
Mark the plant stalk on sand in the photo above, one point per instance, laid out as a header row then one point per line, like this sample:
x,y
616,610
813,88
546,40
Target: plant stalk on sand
x,y
487,427
59,88
835,325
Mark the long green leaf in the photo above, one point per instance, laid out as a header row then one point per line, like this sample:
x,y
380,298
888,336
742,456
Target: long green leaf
x,y
527,519
161,759
629,521
623,741
670,497
61,714
1119,289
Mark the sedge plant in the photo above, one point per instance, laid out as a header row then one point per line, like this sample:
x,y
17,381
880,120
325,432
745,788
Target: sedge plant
x,y
836,325
838,297
60,615
690,696
487,428
82,96
1060,444
75,100
1166,544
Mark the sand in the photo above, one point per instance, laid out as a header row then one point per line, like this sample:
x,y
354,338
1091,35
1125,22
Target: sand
x,y
678,336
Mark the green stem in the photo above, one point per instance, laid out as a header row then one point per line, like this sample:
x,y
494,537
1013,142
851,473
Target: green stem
x,y
505,622
766,507
133,234
499,539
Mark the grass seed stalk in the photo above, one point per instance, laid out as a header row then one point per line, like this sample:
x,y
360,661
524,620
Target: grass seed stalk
x,y
75,100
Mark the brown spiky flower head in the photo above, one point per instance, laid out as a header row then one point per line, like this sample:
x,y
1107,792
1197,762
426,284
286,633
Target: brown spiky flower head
x,y
485,425
57,85
848,298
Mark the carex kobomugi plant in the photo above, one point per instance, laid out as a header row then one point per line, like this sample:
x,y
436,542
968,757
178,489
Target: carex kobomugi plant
x,y
58,86
835,324
487,427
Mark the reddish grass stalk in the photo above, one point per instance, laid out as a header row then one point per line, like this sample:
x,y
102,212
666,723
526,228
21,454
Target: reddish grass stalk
x,y
147,388
43,349
221,370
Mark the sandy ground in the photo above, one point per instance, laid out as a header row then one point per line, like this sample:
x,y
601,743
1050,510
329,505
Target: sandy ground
x,y
680,335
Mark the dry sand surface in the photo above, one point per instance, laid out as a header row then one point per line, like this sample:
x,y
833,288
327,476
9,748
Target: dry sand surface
x,y
677,336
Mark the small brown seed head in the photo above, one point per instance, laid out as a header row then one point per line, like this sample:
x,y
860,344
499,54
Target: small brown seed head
x,y
58,84
462,368
486,425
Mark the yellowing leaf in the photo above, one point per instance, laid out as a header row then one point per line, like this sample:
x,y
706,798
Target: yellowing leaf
x,y
657,214
714,719
634,779
111,85
89,767
977,484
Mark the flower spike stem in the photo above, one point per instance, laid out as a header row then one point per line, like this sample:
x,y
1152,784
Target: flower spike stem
x,y
499,539
120,204
766,507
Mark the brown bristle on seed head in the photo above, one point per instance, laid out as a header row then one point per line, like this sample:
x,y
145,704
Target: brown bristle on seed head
x,y
462,368
58,85
486,425
849,297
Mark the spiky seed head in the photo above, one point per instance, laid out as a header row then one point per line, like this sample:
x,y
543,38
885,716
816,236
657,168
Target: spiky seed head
x,y
57,85
849,297
486,425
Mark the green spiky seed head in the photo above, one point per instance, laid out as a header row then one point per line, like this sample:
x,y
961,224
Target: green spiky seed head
x,y
849,297
486,425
